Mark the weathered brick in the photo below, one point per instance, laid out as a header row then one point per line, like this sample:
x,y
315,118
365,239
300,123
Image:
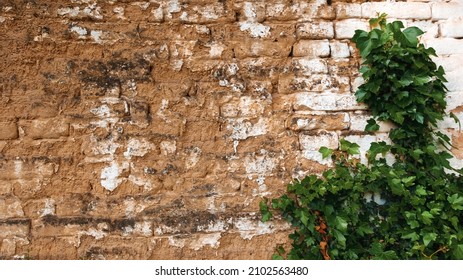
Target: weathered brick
x,y
336,121
314,83
449,62
312,48
454,100
452,9
10,207
244,107
8,130
446,46
258,48
455,83
322,139
308,66
348,10
14,227
345,29
315,30
400,10
364,141
359,121
452,27
47,128
298,10
339,49
327,102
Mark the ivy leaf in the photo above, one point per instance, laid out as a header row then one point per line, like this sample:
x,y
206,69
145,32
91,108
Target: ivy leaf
x,y
456,201
458,252
350,148
339,237
426,217
371,126
326,152
266,214
412,33
340,224
428,237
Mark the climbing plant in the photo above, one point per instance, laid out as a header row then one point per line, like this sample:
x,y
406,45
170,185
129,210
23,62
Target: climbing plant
x,y
410,207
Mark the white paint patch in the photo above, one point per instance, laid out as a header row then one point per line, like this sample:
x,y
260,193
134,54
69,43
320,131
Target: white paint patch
x,y
119,11
143,228
206,239
193,157
210,12
216,50
2,19
49,208
248,228
72,12
110,175
168,147
96,36
256,30
18,168
176,242
243,128
158,14
103,147
102,112
97,233
317,156
146,184
137,148
81,31
260,164
176,64
162,110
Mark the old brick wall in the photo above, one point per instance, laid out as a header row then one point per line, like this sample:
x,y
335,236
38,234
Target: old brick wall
x,y
151,129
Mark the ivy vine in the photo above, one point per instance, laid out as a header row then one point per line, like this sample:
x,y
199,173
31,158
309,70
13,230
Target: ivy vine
x,y
411,208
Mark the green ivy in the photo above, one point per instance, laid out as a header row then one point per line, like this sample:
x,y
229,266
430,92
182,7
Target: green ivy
x,y
409,209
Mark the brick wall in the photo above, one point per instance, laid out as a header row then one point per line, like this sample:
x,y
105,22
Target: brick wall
x,y
151,129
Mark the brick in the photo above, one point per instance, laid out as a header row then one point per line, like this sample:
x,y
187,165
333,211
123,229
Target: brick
x,y
455,83
449,62
10,207
298,10
452,27
399,10
8,130
336,121
445,46
48,129
258,48
454,100
359,121
447,10
322,139
309,66
348,10
314,83
327,102
312,48
244,107
364,141
339,50
315,30
345,29
14,227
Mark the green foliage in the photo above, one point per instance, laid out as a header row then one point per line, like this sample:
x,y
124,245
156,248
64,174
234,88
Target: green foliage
x,y
410,209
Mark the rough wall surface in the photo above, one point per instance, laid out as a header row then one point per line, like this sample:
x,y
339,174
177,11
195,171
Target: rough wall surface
x,y
151,129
